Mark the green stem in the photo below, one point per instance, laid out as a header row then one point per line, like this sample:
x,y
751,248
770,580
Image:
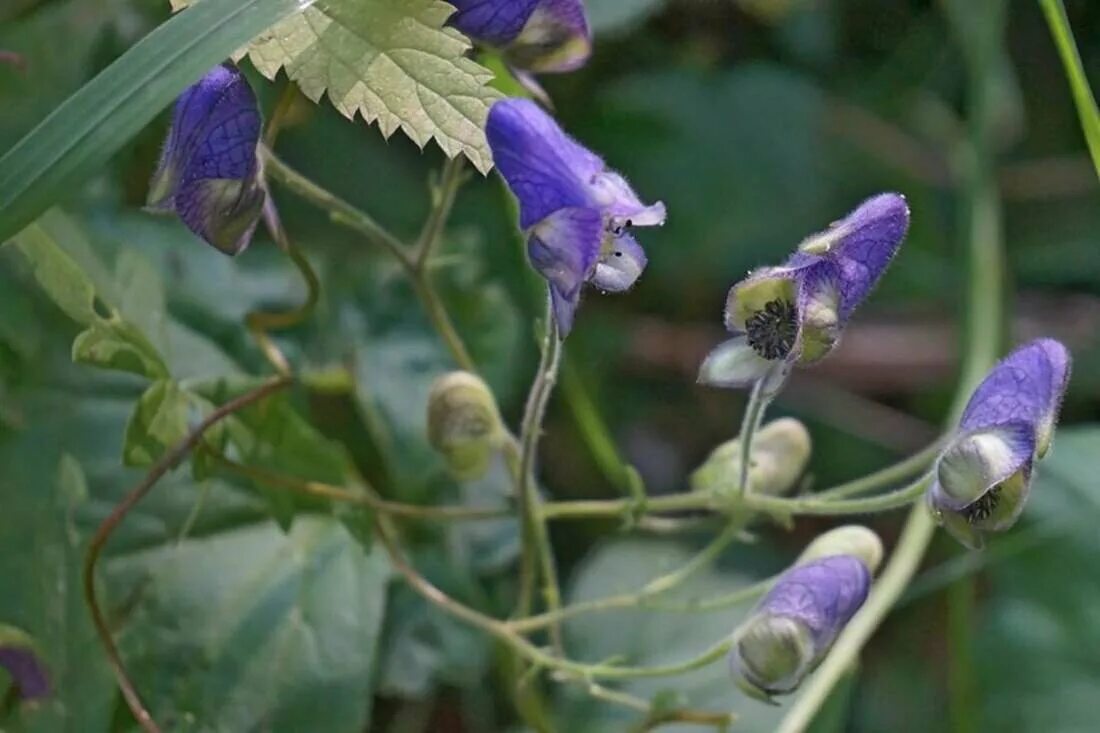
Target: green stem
x,y
536,542
655,718
705,501
343,213
750,423
340,211
652,589
443,199
1055,13
259,323
983,332
441,321
914,465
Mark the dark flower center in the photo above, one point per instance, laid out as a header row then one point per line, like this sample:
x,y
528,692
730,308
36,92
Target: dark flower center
x,y
983,507
772,330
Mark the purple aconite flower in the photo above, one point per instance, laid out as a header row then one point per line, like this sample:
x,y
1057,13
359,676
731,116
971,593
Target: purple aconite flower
x,y
983,477
535,36
576,212
795,313
208,173
25,669
797,622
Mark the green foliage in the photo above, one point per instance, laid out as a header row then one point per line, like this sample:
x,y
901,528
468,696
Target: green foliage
x,y
284,634
159,421
1078,83
82,134
109,341
391,61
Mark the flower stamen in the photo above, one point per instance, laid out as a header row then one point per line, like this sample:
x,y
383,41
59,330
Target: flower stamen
x,y
772,330
984,506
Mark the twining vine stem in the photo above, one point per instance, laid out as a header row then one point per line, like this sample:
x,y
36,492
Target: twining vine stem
x,y
95,547
536,544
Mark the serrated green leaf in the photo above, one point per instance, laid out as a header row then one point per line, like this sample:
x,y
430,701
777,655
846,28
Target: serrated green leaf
x,y
158,422
83,133
392,61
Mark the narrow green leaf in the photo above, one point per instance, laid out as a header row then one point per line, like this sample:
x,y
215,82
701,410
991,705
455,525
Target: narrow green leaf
x,y
83,133
159,421
62,278
1055,12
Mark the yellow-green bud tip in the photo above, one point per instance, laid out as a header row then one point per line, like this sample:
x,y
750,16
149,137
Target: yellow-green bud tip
x,y
464,423
851,539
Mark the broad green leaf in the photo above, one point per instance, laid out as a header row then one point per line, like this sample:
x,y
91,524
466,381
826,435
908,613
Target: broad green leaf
x,y
256,629
83,133
391,61
40,550
158,422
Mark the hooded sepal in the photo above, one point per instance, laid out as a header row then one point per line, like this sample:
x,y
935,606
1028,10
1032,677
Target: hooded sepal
x,y
575,211
209,171
556,39
983,477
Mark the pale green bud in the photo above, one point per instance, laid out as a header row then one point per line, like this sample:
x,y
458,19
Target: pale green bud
x,y
851,539
464,424
780,452
774,654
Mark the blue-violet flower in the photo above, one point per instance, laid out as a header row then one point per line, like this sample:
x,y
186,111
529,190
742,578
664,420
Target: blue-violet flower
x,y
534,36
575,211
796,623
983,476
795,313
22,663
209,173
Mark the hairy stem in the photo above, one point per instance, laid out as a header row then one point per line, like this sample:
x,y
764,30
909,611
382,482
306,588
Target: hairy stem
x,y
750,423
652,589
705,501
536,540
443,199
95,547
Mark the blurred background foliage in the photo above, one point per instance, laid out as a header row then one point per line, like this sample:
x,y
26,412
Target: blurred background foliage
x,y
757,122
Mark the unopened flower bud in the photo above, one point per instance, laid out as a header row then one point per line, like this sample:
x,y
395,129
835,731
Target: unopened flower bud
x,y
851,539
780,452
19,658
464,424
794,627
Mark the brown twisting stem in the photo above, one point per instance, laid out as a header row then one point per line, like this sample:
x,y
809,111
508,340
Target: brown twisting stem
x,y
95,547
